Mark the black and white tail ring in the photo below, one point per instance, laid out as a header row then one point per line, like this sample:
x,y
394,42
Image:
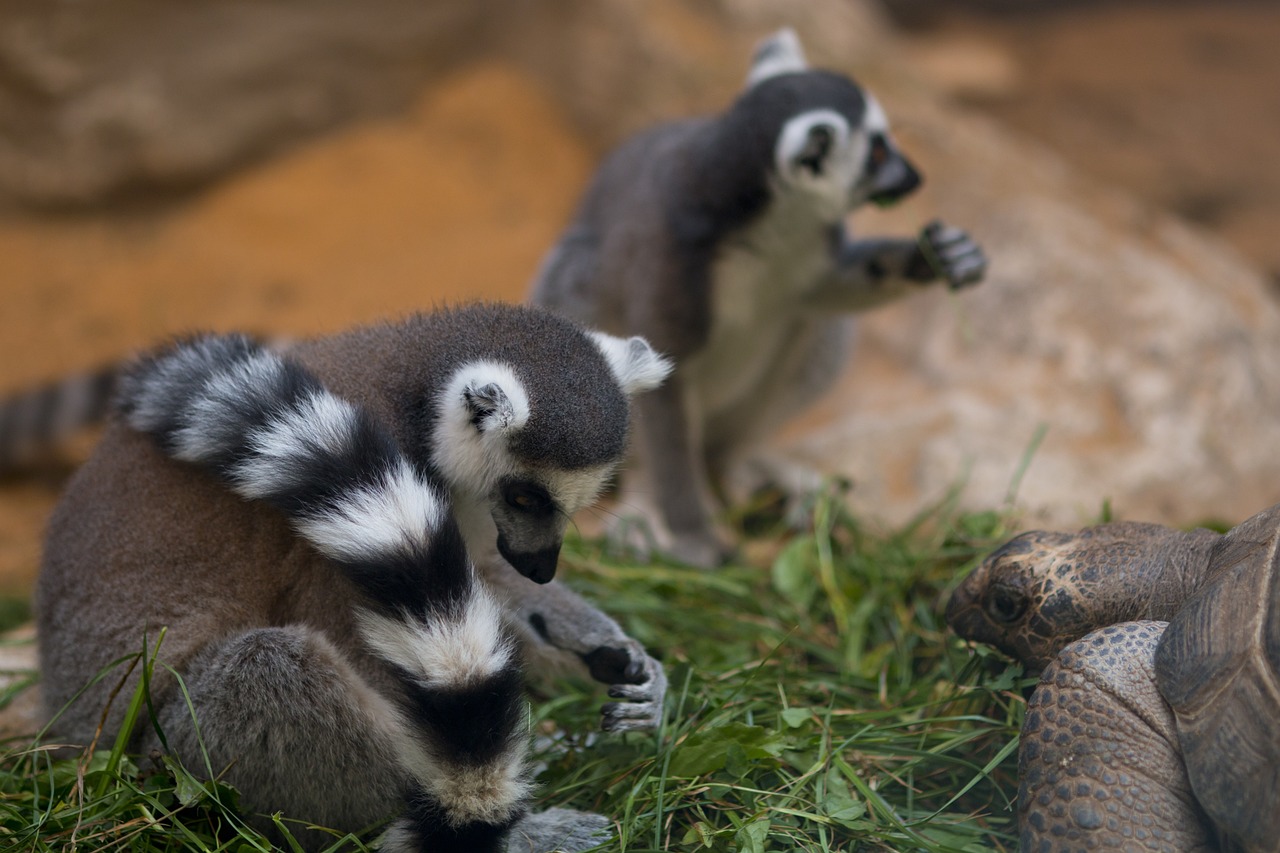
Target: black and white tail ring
x,y
272,432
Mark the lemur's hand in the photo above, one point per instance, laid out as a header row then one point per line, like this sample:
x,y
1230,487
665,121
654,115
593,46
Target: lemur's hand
x,y
633,677
948,253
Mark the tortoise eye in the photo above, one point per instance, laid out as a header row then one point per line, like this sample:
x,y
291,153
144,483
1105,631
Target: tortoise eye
x,y
1006,605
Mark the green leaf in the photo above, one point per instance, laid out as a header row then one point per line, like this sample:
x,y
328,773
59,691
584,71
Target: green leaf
x,y
795,572
796,717
751,836
709,750
844,809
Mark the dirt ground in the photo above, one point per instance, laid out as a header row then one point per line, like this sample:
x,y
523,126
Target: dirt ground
x,y
1177,104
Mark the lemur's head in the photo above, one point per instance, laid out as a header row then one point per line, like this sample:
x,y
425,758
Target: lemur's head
x,y
529,433
830,138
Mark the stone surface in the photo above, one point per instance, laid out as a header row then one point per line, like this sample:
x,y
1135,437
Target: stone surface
x,y
1149,352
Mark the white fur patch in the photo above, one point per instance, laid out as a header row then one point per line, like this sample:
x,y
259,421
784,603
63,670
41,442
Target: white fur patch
x,y
401,513
780,53
573,490
633,362
317,420
470,457
874,119
443,652
487,792
843,166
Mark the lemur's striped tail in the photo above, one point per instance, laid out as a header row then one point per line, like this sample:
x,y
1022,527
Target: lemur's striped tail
x,y
37,422
272,432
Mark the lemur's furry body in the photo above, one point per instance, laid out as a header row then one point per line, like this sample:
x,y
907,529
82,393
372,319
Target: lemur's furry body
x,y
721,240
306,564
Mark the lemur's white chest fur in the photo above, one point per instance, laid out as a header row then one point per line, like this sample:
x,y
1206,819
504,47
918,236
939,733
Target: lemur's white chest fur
x,y
757,284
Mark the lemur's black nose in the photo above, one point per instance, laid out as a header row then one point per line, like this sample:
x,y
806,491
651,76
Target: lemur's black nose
x,y
892,175
537,566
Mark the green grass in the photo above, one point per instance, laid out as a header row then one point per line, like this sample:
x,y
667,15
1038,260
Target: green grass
x,y
816,703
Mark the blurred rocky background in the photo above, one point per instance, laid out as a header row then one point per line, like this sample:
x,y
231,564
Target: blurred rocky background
x,y
294,168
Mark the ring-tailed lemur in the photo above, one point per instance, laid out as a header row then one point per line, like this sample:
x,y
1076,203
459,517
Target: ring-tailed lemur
x,y
721,240
35,422
300,526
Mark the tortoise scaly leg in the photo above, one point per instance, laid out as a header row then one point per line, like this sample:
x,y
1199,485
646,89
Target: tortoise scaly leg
x,y
1099,764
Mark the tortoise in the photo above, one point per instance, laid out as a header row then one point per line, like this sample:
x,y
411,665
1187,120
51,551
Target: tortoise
x,y
1156,721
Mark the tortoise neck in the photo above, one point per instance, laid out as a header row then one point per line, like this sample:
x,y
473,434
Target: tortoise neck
x,y
1173,573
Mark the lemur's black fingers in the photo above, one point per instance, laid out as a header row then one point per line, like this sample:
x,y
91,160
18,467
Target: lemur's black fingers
x,y
965,264
630,717
953,254
641,705
635,692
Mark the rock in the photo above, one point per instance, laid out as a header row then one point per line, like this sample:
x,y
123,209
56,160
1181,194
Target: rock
x,y
102,99
1148,352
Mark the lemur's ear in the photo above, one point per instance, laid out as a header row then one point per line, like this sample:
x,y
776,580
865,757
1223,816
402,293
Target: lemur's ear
x,y
635,364
780,53
492,397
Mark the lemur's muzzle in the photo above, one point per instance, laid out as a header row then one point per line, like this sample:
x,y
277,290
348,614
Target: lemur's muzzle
x,y
892,175
537,566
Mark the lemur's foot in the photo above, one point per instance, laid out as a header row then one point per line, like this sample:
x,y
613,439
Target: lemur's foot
x,y
641,537
700,550
636,679
760,473
951,254
559,831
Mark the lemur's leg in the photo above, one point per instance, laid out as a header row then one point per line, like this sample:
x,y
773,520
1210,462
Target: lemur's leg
x,y
560,632
739,458
282,716
269,430
869,273
672,487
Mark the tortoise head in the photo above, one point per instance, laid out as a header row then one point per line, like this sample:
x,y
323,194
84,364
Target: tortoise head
x,y
1042,590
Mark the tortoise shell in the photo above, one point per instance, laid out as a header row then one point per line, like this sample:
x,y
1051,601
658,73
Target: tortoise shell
x,y
1218,667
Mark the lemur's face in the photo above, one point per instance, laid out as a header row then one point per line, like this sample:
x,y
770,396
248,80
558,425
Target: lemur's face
x,y
837,147
842,165
502,498
531,510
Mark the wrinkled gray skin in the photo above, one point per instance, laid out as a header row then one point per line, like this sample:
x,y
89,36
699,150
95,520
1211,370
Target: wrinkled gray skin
x,y
1154,723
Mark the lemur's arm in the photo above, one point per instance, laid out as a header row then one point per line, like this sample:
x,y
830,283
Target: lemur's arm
x,y
560,633
869,273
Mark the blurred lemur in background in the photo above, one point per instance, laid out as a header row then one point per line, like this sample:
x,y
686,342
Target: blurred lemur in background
x,y
333,538
722,241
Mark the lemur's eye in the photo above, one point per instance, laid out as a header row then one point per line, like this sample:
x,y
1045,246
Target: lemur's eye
x,y
817,148
879,152
529,498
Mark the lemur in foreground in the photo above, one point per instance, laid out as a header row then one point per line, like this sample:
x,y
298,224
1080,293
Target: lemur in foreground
x,y
722,241
303,526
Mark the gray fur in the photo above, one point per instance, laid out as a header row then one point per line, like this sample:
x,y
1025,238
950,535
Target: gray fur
x,y
721,241
145,543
